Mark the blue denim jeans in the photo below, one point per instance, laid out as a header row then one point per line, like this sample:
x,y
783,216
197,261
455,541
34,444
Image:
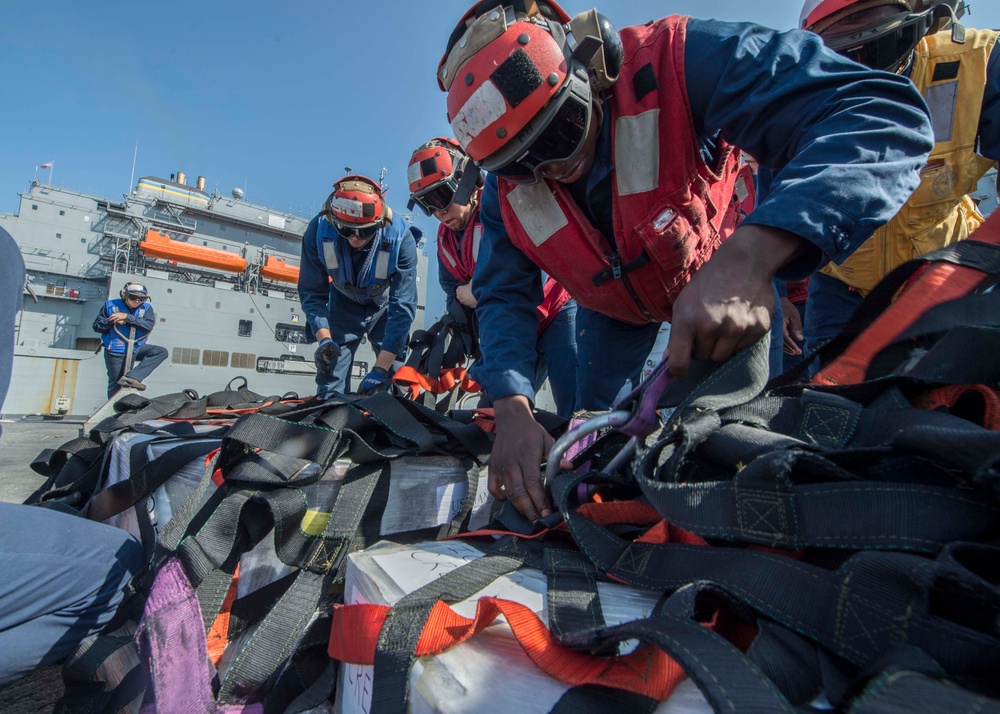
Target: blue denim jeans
x,y
557,359
610,354
349,323
828,308
145,359
63,579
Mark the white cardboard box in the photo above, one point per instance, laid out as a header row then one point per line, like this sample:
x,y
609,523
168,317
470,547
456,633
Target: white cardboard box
x,y
489,673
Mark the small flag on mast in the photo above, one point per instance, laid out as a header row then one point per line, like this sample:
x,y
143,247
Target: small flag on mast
x,y
47,165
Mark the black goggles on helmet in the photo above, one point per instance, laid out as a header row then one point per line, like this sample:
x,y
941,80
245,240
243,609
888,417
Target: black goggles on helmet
x,y
457,188
348,231
135,296
556,135
886,44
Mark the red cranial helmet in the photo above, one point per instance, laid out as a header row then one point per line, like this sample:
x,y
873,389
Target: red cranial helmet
x,y
880,34
519,83
440,173
356,208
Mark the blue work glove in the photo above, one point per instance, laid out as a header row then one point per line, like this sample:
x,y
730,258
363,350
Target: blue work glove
x,y
374,381
326,354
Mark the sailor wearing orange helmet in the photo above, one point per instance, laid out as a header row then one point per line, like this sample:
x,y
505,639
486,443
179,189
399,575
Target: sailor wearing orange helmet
x,y
957,69
612,168
446,184
357,278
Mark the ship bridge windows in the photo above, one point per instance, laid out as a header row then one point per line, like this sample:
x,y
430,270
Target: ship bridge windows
x,y
245,329
283,332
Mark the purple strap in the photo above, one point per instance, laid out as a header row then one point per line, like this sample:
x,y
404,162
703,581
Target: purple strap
x,y
578,446
643,400
171,642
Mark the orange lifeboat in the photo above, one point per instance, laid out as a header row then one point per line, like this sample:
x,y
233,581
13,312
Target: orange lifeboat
x,y
275,268
160,245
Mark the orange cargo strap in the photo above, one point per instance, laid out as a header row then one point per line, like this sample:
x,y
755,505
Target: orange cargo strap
x,y
410,379
218,635
977,397
938,283
647,671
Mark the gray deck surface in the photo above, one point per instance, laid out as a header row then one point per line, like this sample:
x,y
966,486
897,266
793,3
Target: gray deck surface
x,y
20,443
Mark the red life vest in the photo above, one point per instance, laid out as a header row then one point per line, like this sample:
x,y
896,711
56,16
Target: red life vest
x,y
671,210
458,254
745,190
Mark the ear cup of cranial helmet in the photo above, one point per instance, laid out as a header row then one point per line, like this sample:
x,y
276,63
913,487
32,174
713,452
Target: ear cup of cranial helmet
x,y
599,47
614,53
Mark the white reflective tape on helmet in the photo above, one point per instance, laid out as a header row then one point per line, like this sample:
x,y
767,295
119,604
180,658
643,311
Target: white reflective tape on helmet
x,y
413,173
484,107
347,207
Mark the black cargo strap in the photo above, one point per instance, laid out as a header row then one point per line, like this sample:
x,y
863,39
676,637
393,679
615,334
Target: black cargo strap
x,y
595,699
146,478
876,599
405,622
387,410
573,602
170,535
85,691
280,437
745,483
908,691
461,436
215,545
970,253
309,664
71,471
729,681
951,343
135,409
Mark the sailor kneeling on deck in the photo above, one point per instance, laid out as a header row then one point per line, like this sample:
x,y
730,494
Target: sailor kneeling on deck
x,y
358,277
124,321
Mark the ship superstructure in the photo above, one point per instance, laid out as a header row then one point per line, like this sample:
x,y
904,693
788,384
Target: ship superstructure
x,y
221,271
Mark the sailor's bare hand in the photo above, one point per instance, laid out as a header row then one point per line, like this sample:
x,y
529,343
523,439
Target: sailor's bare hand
x,y
728,303
117,318
792,328
463,293
520,447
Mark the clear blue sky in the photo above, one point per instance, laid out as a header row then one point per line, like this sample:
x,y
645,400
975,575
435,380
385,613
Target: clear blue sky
x,y
275,96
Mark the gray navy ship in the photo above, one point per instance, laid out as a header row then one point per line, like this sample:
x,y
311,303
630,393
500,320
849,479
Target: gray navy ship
x,y
222,276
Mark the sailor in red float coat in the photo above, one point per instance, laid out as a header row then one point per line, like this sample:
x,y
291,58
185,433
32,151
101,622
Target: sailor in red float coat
x,y
535,100
435,176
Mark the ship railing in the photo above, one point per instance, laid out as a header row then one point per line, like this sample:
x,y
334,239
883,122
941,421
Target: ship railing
x,y
167,215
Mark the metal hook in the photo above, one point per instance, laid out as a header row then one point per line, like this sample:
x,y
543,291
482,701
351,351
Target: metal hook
x,y
612,420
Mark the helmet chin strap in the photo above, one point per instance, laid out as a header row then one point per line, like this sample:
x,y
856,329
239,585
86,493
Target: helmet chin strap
x,y
467,185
